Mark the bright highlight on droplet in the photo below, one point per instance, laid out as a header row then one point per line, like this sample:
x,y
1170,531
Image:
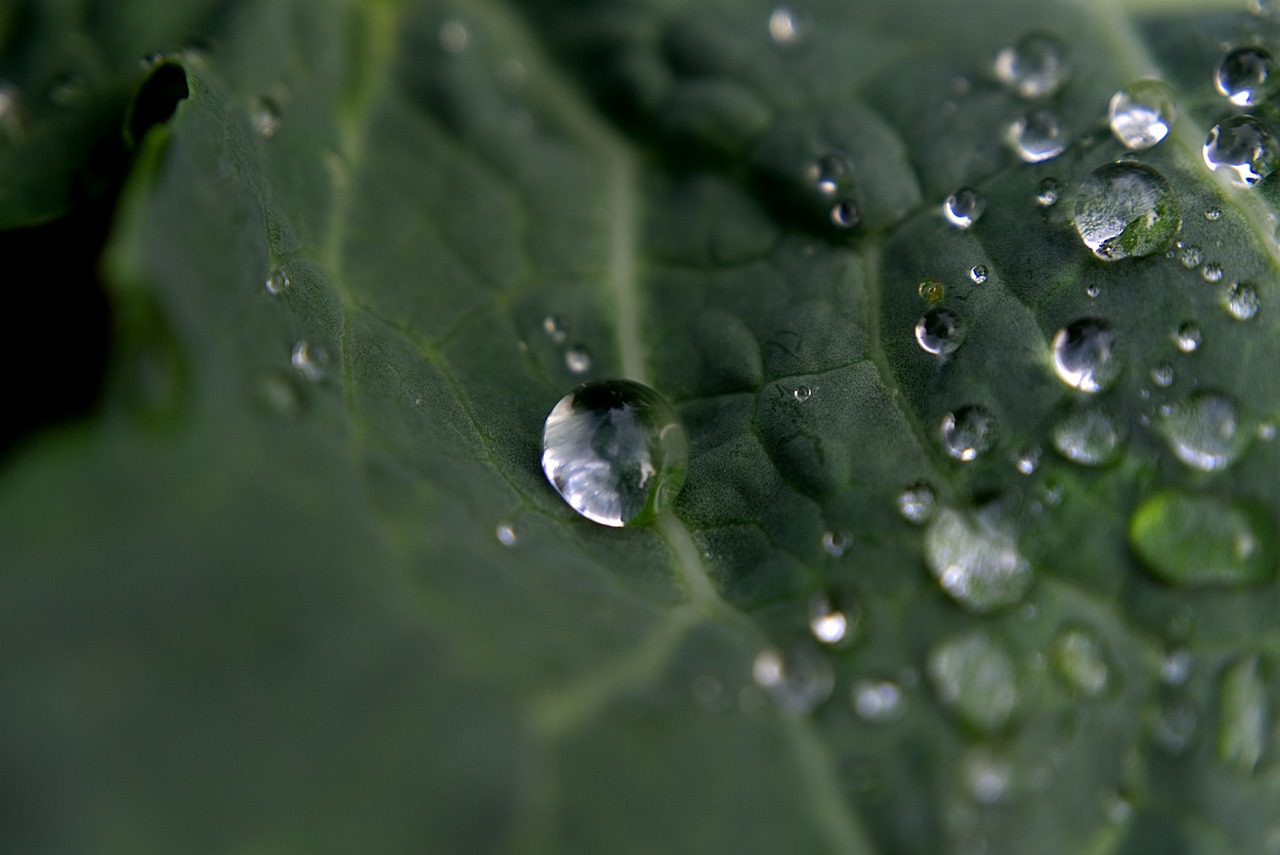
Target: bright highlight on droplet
x,y
1084,355
1126,209
1243,149
1142,113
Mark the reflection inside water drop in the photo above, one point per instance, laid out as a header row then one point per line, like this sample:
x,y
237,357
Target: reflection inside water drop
x,y
939,332
963,207
1244,76
1141,113
968,432
1243,149
1126,209
1034,67
1084,355
309,360
798,681
1038,136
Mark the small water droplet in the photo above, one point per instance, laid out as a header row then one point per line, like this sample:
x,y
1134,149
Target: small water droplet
x,y
1175,666
877,701
836,542
1242,301
963,207
1187,337
1190,256
985,775
786,27
278,282
975,678
1079,661
978,274
1200,540
968,432
309,360
798,681
1175,725
1034,67
801,394
555,328
930,290
1047,193
1266,431
845,215
1245,75
831,625
1126,209
264,116
1088,436
975,562
1242,149
454,36
1084,355
917,503
831,172
939,332
1142,113
1213,214
615,451
1244,717
1211,272
577,359
1029,461
1038,136
1203,431
506,533
1092,290
1162,375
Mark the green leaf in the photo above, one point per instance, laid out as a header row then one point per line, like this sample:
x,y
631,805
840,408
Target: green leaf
x,y
300,585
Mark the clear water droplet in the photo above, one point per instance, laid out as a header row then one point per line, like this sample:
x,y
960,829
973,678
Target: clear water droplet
x,y
1162,375
1211,272
1088,436
1084,355
976,563
917,503
1242,301
506,533
1187,337
978,274
454,36
1213,214
877,701
1142,113
1242,149
801,394
930,290
555,328
1038,136
831,172
1126,209
1047,193
310,360
577,359
975,678
278,282
1080,663
963,207
1245,76
845,215
1244,716
836,542
1190,256
968,432
1028,461
798,681
1175,666
615,451
1034,67
1093,290
1204,432
986,776
831,625
786,26
1201,540
264,116
939,332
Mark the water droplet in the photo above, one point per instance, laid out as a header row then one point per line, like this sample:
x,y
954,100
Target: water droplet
x,y
785,26
1093,290
831,625
278,282
506,533
1203,431
1211,272
976,563
939,332
1084,355
963,207
1088,436
1244,719
1201,540
555,328
836,542
1190,256
1267,431
985,775
1175,667
1038,136
877,701
454,36
1142,113
1175,725
845,215
1213,214
930,290
1034,67
1243,149
1244,76
1047,193
1242,301
1126,209
1162,375
309,360
975,678
577,359
798,681
978,274
1079,661
264,116
1028,461
615,451
916,503
1187,337
968,432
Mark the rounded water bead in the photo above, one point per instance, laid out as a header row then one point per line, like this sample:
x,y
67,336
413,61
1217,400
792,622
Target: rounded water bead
x,y
976,563
785,26
975,678
877,701
1244,716
1242,301
1198,540
978,274
916,503
1038,136
278,282
1047,193
963,207
1084,355
506,533
1203,431
1126,209
968,432
939,332
1245,76
1088,436
1242,149
1142,113
930,290
1211,272
577,359
1187,337
832,171
831,625
309,360
1035,66
836,542
798,681
1190,256
1079,661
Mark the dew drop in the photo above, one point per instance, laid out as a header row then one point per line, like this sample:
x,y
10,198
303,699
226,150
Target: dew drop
x,y
310,360
831,172
1267,431
785,26
845,215
836,542
1084,355
801,394
930,290
975,678
278,282
1241,301
454,36
1244,717
1080,663
264,116
1038,136
968,432
1211,272
798,681
1213,214
577,359
1088,436
1203,431
831,625
1242,149
555,328
877,701
1126,209
1028,461
506,533
1175,667
1142,113
1047,193
277,394
963,207
975,562
939,332
1244,76
985,775
1199,540
978,274
1034,67
917,503
1190,256
1187,337
1162,375
615,451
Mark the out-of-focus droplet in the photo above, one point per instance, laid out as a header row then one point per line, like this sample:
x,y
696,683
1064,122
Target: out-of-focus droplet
x,y
1047,193
506,533
1142,113
877,701
577,359
975,562
1079,661
1038,136
310,360
968,433
917,503
1200,540
1035,66
1244,716
974,677
798,680
1204,431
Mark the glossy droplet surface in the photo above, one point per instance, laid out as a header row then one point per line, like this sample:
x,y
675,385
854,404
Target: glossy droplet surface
x,y
963,207
877,701
798,681
1089,436
1211,272
939,332
278,282
309,360
1126,209
1242,301
555,328
1034,67
1203,431
801,394
1244,716
978,274
1199,540
968,432
1080,663
1187,336
1245,76
1047,193
975,562
506,534
975,678
786,27
1242,149
1038,136
1141,113
832,172
917,503
830,624
577,359
836,542
615,451
1084,355
930,290
264,115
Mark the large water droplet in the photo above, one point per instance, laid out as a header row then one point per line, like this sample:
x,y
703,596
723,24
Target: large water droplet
x,y
986,776
976,563
1245,76
1084,355
1038,136
1242,149
1242,301
930,290
963,207
1204,432
1201,540
1035,66
615,451
877,701
975,678
1088,436
1142,113
1244,717
939,332
968,432
917,503
1126,209
798,681
310,360
1080,662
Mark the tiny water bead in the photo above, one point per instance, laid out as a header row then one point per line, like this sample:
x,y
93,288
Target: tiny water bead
x,y
978,274
309,360
1213,214
831,625
836,542
976,563
1141,113
985,775
1190,256
1084,355
845,215
1242,301
1047,193
1035,66
1211,272
877,701
1242,149
798,681
577,359
1187,337
939,332
1244,716
917,503
1199,540
930,290
1038,136
1089,436
264,116
278,282
963,207
801,394
1245,76
1126,209
1028,461
975,678
614,450
968,432
1080,663
506,534
1203,431
555,328
831,171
